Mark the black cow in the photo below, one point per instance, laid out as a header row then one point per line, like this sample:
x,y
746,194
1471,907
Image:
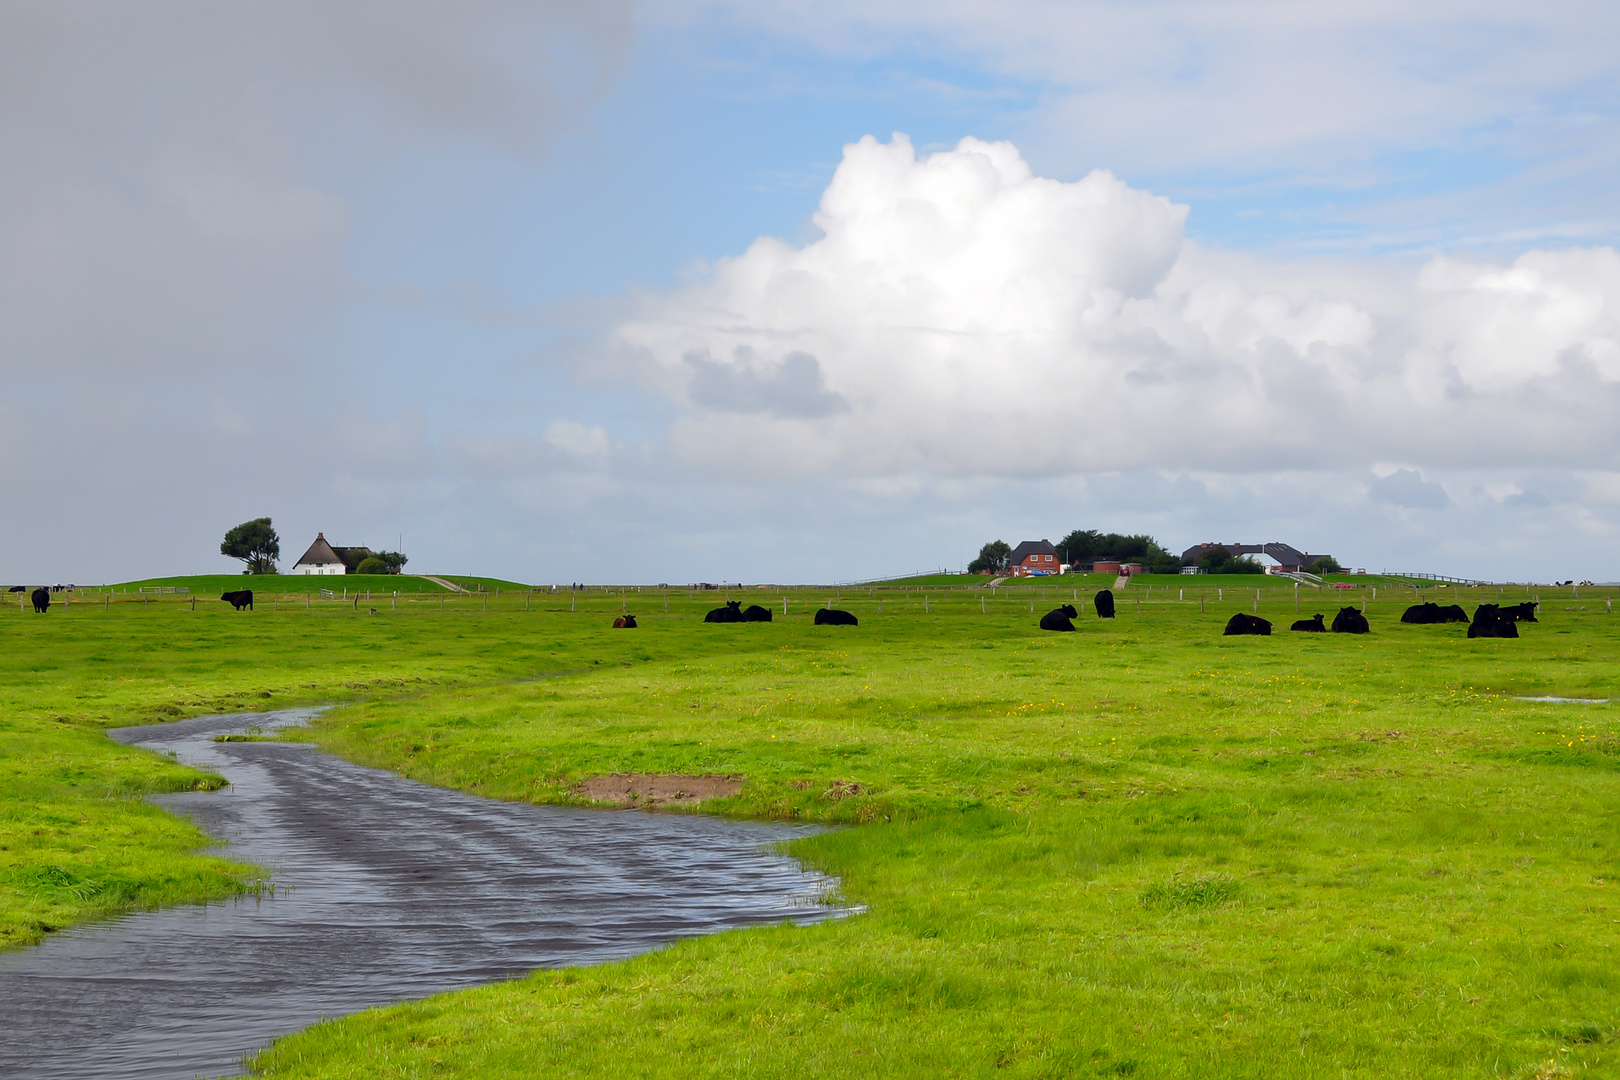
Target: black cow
x,y
1428,613
732,612
1312,625
242,598
1521,612
1350,621
41,599
18,588
1247,624
834,617
1105,604
1490,621
755,613
1059,619
625,622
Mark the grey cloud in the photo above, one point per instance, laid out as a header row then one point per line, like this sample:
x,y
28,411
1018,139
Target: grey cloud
x,y
793,387
1407,488
160,165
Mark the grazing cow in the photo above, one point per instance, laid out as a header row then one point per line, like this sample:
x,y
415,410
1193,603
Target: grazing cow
x,y
1060,619
242,598
625,622
1104,602
755,613
1247,624
1350,621
1491,621
41,599
732,612
1312,625
18,588
1521,612
834,617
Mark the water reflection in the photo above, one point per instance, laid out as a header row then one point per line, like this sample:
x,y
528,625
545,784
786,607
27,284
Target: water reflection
x,y
386,889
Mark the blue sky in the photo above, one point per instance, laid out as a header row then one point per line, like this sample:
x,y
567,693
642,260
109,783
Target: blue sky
x,y
487,275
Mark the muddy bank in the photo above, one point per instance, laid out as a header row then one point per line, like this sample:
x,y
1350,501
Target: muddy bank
x,y
385,889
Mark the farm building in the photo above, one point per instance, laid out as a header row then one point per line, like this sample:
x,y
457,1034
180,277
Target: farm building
x,y
1289,559
1034,558
320,559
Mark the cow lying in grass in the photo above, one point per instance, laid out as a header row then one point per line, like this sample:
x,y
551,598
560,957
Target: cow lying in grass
x,y
1425,614
1247,624
242,598
835,617
755,613
625,622
1059,619
1312,625
1350,621
1492,621
1104,602
732,612
1521,612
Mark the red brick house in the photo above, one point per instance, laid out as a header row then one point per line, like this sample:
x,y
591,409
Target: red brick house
x,y
1034,558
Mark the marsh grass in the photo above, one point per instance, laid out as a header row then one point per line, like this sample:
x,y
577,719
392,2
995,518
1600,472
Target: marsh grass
x,y
1139,849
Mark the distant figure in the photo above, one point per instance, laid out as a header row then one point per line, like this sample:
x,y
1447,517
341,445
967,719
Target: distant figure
x,y
755,613
1350,621
1492,621
242,598
42,600
732,612
1311,626
1060,619
1247,624
1425,614
625,622
834,617
1104,602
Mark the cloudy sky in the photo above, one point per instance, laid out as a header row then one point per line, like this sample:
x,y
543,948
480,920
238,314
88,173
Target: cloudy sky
x,y
796,291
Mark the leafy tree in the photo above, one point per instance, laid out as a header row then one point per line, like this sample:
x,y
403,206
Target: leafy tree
x,y
1217,560
994,556
1089,545
1323,565
255,543
382,562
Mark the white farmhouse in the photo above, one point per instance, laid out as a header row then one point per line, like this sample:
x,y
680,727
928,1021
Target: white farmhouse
x,y
320,559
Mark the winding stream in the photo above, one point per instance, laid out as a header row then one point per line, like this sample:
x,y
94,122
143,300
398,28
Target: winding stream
x,y
385,889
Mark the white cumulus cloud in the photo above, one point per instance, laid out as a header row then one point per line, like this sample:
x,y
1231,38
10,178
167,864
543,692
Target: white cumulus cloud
x,y
959,315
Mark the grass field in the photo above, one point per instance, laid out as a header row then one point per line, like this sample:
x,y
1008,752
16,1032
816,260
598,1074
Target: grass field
x,y
1141,849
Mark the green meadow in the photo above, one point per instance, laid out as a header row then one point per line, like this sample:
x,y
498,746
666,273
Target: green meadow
x,y
1141,849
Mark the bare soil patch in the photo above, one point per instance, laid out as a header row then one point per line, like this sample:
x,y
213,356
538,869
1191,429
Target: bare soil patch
x,y
658,789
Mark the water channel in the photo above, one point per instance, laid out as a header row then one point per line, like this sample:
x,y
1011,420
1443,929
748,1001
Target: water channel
x,y
385,890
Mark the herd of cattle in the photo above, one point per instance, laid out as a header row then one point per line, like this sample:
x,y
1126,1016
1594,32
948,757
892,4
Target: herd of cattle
x,y
1490,620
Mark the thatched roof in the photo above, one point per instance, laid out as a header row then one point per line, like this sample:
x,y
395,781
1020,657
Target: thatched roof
x,y
319,552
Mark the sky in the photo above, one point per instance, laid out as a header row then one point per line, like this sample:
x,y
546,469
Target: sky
x,y
790,292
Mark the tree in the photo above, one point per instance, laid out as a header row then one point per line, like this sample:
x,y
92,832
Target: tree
x,y
994,556
255,543
1089,545
382,562
1217,560
1323,565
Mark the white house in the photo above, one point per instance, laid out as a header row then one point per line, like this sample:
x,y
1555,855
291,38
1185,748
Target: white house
x,y
320,559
